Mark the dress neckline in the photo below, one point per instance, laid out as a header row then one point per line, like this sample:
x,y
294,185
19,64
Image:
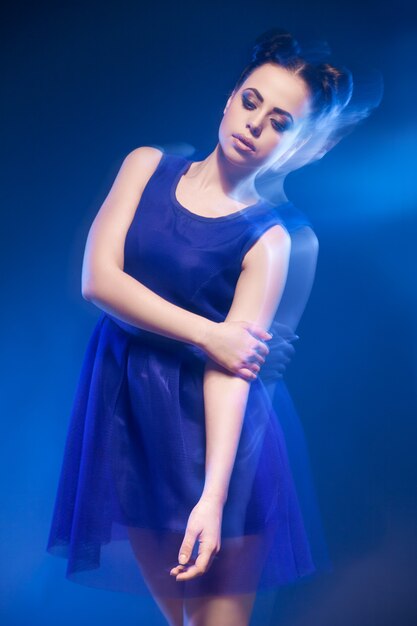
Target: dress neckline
x,y
219,218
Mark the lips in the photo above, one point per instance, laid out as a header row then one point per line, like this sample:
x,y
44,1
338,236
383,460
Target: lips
x,y
245,140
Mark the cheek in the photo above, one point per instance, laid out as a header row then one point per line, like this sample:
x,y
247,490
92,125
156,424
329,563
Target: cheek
x,y
231,116
273,140
230,122
223,127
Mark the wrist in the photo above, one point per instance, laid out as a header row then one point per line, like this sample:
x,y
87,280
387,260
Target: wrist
x,y
215,497
203,331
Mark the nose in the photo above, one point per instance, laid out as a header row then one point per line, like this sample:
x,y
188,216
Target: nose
x,y
255,129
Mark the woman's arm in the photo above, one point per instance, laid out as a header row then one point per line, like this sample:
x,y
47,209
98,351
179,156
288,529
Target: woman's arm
x,y
129,300
257,295
133,305
300,277
103,280
298,286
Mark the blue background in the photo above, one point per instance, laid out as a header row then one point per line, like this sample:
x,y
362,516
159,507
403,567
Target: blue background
x,y
82,85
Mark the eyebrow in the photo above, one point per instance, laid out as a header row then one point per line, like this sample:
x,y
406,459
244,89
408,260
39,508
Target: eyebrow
x,y
275,109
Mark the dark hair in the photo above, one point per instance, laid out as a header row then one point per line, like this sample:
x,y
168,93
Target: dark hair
x,y
330,87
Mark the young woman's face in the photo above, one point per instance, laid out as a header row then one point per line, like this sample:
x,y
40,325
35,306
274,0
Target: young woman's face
x,y
268,109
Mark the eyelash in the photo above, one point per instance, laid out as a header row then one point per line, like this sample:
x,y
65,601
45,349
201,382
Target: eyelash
x,y
246,101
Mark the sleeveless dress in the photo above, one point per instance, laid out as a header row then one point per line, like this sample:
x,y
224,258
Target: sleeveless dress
x,y
134,460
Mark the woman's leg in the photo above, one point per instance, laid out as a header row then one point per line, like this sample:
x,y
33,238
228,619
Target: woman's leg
x,y
232,610
225,594
156,555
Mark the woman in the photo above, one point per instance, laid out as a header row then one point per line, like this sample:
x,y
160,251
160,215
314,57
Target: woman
x,y
176,479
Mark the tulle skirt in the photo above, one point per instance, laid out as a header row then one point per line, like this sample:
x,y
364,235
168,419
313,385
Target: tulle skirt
x,y
134,465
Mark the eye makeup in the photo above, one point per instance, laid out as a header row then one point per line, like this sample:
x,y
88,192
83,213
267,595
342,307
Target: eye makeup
x,y
279,126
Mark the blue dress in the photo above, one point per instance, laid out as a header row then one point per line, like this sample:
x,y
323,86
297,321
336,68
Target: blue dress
x,y
134,460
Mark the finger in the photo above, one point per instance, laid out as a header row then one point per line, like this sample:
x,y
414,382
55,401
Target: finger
x,y
247,374
256,354
177,569
191,572
261,333
254,358
204,559
194,571
205,555
261,348
187,546
254,361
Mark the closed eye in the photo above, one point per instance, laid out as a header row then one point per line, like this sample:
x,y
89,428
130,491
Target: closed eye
x,y
251,105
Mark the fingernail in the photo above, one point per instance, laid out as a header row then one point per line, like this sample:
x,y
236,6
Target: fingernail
x,y
182,559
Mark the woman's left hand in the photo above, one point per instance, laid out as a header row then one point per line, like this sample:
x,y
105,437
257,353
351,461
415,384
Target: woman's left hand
x,y
204,524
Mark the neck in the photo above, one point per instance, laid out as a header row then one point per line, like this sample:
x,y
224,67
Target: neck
x,y
237,182
216,173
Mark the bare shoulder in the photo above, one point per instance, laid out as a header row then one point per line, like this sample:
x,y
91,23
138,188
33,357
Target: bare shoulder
x,y
144,158
145,152
269,247
107,234
134,173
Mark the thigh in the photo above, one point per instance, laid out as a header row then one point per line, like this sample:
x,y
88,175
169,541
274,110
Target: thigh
x,y
156,554
225,594
235,570
227,610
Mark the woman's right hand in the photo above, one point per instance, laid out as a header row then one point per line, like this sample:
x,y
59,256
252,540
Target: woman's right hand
x,y
237,346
